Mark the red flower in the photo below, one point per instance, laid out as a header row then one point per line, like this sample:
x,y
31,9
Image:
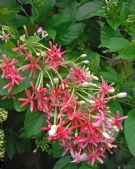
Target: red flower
x,y
105,88
30,100
54,56
10,73
33,66
117,121
19,47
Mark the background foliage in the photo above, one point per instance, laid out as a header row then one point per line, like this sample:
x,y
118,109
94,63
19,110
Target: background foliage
x,y
105,31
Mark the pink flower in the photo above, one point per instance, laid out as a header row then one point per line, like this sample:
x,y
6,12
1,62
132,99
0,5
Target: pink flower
x,y
42,32
117,121
19,47
54,56
10,73
78,75
33,66
30,100
4,36
77,156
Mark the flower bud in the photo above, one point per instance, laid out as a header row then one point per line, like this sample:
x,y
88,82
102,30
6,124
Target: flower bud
x,y
94,77
83,55
121,95
85,62
53,130
56,80
81,102
91,101
112,90
85,84
106,135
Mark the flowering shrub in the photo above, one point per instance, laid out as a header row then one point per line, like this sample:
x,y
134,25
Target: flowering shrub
x,y
73,102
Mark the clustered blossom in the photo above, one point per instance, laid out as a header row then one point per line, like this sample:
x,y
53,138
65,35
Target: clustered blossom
x,y
10,73
74,104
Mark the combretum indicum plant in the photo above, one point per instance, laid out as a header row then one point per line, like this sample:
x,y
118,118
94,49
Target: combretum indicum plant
x,y
73,101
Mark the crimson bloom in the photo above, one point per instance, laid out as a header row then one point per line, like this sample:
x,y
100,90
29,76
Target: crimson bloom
x,y
10,73
54,56
33,66
30,100
19,47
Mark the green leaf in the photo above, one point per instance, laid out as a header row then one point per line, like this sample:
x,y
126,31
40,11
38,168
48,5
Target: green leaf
x,y
67,15
71,166
129,128
106,34
90,9
8,46
51,33
17,103
20,147
33,122
62,162
114,23
109,74
85,165
128,52
115,107
56,150
117,43
10,146
66,34
131,164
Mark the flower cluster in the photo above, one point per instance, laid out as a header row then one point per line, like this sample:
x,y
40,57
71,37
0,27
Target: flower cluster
x,y
73,101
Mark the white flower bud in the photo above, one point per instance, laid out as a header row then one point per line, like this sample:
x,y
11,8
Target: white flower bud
x,y
85,62
56,80
94,77
81,102
22,38
106,135
121,95
83,55
91,101
85,84
53,130
112,90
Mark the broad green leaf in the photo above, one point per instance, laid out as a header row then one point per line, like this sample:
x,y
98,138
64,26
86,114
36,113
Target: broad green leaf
x,y
109,74
56,150
9,46
20,147
117,43
129,128
67,15
128,52
106,34
71,166
10,146
90,9
7,104
62,162
85,165
70,33
33,122
51,33
114,23
17,103
115,107
131,164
